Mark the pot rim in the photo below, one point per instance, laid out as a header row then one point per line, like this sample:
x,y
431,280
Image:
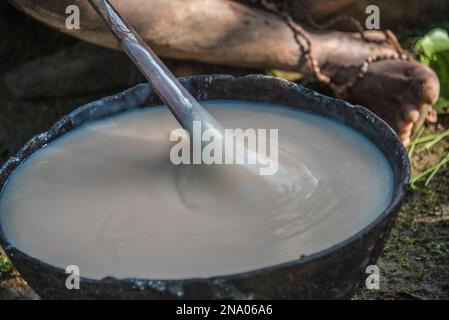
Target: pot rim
x,y
399,191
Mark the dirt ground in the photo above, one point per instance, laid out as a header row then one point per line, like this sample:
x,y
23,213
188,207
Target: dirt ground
x,y
38,86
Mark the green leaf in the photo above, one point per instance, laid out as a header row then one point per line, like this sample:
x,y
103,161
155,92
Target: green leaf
x,y
434,42
433,50
5,265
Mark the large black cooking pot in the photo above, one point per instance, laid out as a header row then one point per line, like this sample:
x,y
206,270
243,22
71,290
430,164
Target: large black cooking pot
x,y
332,273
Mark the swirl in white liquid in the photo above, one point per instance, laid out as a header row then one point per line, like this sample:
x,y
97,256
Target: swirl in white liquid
x,y
107,198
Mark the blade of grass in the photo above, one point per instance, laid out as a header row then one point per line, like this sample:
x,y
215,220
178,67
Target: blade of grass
x,y
427,138
437,168
420,176
433,142
431,170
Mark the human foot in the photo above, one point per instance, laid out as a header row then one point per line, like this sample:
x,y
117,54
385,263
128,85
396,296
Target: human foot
x,y
400,92
380,76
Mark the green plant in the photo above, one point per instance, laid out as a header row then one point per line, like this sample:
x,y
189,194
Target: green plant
x,y
5,265
433,50
426,143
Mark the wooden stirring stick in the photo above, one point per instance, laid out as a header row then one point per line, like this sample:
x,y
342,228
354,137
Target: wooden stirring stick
x,y
180,102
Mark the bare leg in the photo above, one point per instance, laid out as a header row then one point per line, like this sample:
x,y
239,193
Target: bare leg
x,y
229,33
